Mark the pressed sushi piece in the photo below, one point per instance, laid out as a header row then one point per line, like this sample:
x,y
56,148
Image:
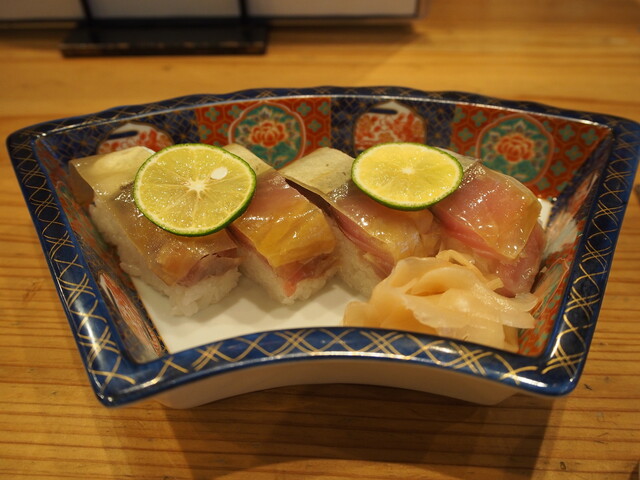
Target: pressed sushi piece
x,y
495,219
286,242
193,272
372,237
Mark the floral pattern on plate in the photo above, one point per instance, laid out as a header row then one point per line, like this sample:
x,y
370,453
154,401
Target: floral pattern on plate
x,y
388,122
517,145
278,131
522,143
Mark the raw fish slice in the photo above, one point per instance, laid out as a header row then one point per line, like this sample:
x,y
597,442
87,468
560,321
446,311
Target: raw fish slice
x,y
495,219
283,225
104,175
383,235
490,212
287,233
173,258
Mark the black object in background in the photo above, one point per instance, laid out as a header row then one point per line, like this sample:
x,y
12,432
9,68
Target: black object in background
x,y
179,36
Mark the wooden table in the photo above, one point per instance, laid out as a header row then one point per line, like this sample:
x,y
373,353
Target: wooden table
x,y
579,54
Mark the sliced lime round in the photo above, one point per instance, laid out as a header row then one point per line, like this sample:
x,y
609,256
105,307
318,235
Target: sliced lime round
x,y
193,189
406,176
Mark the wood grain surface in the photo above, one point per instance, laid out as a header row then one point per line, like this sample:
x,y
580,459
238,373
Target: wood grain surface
x,y
579,54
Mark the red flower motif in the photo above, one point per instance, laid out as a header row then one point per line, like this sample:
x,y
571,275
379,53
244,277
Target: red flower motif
x,y
268,133
153,140
372,129
150,138
407,127
515,147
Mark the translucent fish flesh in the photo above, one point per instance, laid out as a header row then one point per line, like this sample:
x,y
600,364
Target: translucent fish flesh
x,y
383,235
173,258
285,229
495,219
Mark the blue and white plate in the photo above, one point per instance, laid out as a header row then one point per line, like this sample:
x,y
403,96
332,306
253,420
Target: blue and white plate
x,y
582,163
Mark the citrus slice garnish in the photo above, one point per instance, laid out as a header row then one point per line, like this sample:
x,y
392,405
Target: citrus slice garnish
x,y
406,176
193,189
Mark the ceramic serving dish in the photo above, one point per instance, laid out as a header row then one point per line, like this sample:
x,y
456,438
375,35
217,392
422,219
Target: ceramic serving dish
x,y
582,163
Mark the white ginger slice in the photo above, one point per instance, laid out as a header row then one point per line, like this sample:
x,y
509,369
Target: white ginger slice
x,y
445,295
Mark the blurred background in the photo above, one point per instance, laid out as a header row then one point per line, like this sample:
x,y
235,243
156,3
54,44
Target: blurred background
x,y
535,50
